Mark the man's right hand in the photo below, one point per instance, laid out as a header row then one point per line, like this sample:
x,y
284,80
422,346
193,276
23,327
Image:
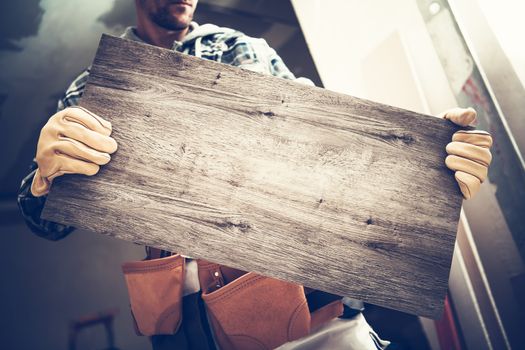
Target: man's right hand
x,y
74,141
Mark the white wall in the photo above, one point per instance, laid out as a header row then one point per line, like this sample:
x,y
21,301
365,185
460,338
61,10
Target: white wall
x,y
376,49
506,20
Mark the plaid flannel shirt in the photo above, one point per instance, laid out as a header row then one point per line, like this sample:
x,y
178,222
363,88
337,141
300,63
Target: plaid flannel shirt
x,y
222,45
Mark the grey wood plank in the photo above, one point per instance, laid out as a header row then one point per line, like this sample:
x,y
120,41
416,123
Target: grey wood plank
x,y
267,175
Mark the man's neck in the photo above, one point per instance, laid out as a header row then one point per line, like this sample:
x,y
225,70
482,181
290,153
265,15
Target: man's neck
x,y
155,35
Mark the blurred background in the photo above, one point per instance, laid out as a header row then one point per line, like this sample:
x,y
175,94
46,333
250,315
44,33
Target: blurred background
x,y
423,55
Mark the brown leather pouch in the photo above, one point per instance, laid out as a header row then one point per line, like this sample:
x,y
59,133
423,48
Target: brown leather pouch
x,y
326,313
256,312
155,290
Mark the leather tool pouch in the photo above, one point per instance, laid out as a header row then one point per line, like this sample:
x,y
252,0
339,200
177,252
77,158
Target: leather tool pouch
x,y
255,312
155,290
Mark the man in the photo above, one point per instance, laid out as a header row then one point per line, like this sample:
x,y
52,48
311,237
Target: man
x,y
185,303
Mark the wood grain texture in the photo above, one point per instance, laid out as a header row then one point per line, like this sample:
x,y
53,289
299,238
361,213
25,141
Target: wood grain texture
x,y
267,175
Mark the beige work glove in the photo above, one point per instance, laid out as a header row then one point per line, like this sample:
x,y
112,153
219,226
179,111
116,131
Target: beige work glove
x,y
469,152
74,141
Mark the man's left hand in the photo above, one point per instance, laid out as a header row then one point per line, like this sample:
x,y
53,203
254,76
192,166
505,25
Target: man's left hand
x,y
469,152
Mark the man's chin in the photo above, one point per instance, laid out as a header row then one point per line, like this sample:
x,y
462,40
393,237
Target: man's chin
x,y
172,18
174,25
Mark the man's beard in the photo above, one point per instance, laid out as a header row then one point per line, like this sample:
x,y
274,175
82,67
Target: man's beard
x,y
164,18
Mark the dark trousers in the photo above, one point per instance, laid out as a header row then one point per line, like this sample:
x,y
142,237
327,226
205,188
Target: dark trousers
x,y
194,332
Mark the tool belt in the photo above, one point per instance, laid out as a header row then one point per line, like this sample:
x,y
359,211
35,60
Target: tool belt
x,y
244,310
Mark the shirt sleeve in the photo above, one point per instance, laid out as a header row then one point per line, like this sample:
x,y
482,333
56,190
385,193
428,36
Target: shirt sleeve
x,y
255,54
277,66
31,206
